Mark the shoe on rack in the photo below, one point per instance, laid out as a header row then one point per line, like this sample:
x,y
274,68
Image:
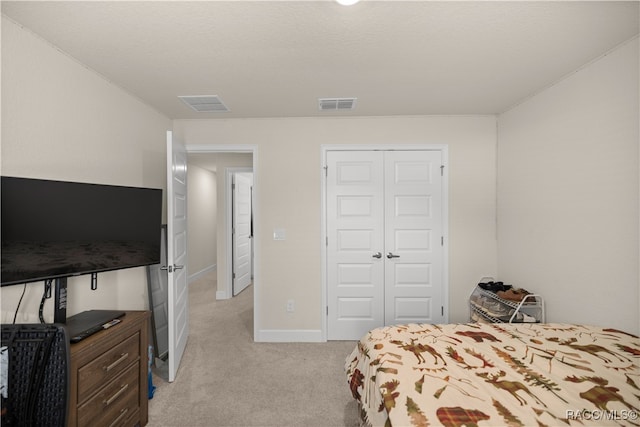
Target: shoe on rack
x,y
513,294
493,286
518,318
510,295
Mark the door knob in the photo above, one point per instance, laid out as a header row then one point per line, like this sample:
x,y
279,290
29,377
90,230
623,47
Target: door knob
x,y
391,255
377,255
171,268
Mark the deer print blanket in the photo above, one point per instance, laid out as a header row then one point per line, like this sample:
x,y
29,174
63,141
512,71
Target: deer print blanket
x,y
480,374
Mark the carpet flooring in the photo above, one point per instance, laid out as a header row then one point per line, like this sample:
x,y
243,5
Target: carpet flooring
x,y
226,379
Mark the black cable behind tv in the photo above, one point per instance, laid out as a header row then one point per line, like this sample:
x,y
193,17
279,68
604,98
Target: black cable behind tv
x,y
60,300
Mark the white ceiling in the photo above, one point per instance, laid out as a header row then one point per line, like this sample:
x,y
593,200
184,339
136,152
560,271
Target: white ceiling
x,y
276,58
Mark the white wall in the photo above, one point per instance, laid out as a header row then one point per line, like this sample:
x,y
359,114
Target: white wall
x,y
568,194
289,187
63,121
201,220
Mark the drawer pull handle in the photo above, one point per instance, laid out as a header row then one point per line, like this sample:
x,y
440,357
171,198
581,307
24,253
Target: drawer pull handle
x,y
122,357
120,417
110,400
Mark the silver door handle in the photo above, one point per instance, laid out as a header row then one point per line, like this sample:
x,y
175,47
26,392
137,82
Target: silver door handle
x,y
172,267
391,255
377,255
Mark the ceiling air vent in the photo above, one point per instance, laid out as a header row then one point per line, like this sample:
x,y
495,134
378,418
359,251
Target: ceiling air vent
x,y
205,103
334,104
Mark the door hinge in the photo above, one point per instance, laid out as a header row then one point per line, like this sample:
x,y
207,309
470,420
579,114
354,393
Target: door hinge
x,y
233,276
326,171
326,241
441,170
441,240
327,310
442,310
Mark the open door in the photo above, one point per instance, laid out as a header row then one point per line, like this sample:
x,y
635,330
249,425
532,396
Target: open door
x,y
177,252
242,247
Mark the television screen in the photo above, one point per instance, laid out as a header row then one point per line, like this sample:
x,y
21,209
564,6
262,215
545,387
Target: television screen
x,y
53,229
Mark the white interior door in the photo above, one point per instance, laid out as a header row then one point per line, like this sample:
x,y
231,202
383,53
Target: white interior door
x,y
241,231
159,299
177,252
385,258
413,233
355,243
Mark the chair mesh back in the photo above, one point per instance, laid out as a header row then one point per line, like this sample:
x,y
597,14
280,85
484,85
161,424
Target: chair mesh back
x,y
37,385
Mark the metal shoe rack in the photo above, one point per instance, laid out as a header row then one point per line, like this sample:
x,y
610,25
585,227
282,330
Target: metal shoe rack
x,y
489,307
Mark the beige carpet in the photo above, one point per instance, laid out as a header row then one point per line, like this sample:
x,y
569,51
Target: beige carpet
x,y
226,379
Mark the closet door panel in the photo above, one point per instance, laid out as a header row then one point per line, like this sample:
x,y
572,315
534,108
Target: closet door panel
x,y
354,234
384,240
413,231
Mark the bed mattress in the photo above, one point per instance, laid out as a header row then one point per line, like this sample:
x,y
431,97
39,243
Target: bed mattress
x,y
496,375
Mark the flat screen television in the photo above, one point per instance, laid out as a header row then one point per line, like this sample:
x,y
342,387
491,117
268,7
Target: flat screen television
x,y
56,229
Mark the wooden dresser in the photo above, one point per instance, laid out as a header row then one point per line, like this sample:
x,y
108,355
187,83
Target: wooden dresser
x,y
109,375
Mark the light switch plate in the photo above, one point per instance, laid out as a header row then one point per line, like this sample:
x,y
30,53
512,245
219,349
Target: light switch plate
x,y
279,234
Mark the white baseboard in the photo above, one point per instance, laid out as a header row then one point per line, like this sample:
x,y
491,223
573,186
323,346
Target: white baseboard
x,y
289,335
222,295
204,271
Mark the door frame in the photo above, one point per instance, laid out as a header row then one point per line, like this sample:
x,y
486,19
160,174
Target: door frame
x,y
324,148
228,196
253,150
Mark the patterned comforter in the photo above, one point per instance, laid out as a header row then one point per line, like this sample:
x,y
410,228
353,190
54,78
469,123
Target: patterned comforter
x,y
496,375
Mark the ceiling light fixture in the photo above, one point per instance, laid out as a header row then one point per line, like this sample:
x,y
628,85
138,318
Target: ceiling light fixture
x,y
347,2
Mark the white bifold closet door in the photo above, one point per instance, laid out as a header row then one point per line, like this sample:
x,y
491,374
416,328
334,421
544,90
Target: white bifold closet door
x,y
384,240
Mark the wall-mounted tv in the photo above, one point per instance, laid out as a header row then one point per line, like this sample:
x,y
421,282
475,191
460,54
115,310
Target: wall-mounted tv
x,y
56,229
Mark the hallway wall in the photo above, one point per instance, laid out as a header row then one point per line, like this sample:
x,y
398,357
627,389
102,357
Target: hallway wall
x,y
202,212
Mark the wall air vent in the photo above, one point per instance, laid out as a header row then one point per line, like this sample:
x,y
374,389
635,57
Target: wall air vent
x,y
205,103
335,104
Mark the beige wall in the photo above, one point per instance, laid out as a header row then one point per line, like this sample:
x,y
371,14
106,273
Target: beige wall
x,y
62,121
289,192
84,128
568,194
567,186
201,220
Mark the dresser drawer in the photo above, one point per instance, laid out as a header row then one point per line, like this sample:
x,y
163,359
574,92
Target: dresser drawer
x,y
107,366
109,375
115,403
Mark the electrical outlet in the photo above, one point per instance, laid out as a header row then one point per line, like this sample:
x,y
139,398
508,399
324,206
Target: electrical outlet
x,y
290,306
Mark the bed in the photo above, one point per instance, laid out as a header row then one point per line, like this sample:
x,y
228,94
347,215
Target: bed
x,y
481,374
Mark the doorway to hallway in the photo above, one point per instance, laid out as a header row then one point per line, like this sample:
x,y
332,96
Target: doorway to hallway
x,y
220,160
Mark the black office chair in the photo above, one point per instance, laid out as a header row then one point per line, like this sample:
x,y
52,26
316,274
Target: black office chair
x,y
34,375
